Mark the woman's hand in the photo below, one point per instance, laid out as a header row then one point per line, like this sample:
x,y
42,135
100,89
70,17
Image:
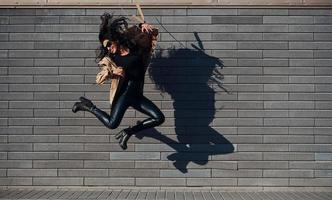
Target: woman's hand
x,y
146,27
119,71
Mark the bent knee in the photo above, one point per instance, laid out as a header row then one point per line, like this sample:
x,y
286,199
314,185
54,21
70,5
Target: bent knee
x,y
161,119
113,125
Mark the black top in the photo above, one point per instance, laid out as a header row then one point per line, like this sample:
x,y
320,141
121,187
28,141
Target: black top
x,y
132,65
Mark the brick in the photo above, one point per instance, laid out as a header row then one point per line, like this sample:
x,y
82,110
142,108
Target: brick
x,y
33,104
323,173
16,147
236,173
237,19
32,172
291,156
258,11
59,62
58,11
135,155
262,147
13,12
191,173
83,172
83,138
238,156
199,11
33,138
160,181
4,20
263,164
237,36
34,19
289,122
109,164
102,147
79,20
15,181
16,130
300,130
33,36
186,20
310,28
17,28
323,156
77,36
169,11
50,164
76,54
59,45
16,45
310,147
322,53
211,182
109,181
4,36
33,87
287,54
33,155
15,164
262,45
288,36
133,172
310,182
323,122
262,181
58,147
309,12
288,173
288,19
323,19
58,181
323,139
32,121
262,28
322,36
84,155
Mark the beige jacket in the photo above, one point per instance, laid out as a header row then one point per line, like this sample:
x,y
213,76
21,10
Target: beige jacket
x,y
106,66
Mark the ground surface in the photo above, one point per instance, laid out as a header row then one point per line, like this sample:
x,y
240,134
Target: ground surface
x,y
161,194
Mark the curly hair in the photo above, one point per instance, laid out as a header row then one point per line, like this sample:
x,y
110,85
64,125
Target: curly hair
x,y
113,29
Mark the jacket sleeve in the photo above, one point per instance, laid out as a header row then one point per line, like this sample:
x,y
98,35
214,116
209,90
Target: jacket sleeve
x,y
106,66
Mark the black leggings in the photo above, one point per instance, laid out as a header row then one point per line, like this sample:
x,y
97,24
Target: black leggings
x,y
129,95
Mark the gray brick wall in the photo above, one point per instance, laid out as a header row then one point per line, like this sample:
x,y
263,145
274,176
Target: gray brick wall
x,y
265,121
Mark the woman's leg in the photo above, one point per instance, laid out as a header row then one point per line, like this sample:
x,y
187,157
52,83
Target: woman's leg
x,y
147,107
113,120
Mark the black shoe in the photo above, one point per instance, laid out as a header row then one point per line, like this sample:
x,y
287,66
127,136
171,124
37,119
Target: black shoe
x,y
124,136
83,106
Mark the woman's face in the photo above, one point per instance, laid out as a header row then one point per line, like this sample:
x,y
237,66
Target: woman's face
x,y
113,48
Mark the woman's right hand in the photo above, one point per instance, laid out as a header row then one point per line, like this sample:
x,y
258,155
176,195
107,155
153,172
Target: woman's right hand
x,y
119,71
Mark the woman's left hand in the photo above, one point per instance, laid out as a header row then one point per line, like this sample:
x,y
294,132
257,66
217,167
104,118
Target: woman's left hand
x,y
119,71
146,27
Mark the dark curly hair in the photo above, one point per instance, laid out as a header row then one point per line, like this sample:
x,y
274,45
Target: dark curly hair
x,y
113,29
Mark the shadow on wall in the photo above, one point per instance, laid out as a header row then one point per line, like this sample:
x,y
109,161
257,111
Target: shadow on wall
x,y
187,76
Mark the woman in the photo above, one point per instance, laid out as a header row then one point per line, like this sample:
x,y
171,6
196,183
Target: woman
x,y
129,56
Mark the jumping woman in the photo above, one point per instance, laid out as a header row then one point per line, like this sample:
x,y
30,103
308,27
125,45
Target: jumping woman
x,y
129,49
